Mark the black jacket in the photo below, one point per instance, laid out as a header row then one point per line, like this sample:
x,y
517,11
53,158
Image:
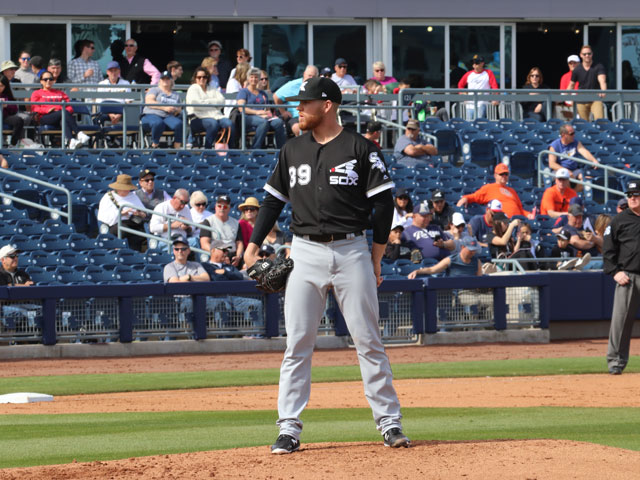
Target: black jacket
x,y
18,278
621,247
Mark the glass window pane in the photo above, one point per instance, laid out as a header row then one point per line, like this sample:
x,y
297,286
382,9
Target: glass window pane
x,y
631,54
508,38
49,42
466,41
278,48
331,42
603,41
418,53
101,34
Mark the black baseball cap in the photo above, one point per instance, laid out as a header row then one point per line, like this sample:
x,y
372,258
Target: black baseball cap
x,y
477,59
318,88
176,238
564,234
437,195
633,186
145,172
373,126
224,199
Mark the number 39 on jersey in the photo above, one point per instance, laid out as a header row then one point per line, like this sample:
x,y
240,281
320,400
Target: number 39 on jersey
x,y
300,175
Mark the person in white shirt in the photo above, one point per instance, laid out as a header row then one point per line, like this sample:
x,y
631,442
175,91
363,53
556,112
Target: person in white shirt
x,y
199,212
226,228
208,118
122,193
177,206
341,77
112,113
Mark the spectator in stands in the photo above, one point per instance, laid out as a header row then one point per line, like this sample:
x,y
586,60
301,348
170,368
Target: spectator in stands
x,y
277,239
600,227
263,83
500,237
161,112
10,274
478,78
379,74
589,77
242,56
239,80
556,198
3,162
481,225
211,66
585,241
199,212
177,206
51,114
224,65
403,211
509,199
249,209
10,117
442,211
395,248
341,77
175,69
149,195
629,81
326,72
563,250
527,247
113,114
37,66
534,110
459,264
411,149
24,73
260,119
225,228
55,68
373,132
426,237
568,145
181,270
573,61
291,89
562,220
135,68
219,270
8,69
208,118
288,71
82,69
115,49
622,205
122,193
457,230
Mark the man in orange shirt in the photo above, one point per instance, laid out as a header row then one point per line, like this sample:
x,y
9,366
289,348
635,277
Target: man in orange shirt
x,y
511,204
555,199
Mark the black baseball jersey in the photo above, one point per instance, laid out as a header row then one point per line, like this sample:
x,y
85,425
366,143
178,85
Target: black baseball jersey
x,y
621,246
329,186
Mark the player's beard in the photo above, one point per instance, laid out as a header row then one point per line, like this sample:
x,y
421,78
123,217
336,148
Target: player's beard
x,y
309,121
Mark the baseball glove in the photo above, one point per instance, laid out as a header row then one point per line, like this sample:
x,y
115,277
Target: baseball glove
x,y
271,276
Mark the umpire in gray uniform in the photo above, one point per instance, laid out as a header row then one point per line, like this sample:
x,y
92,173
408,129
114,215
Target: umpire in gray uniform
x,y
335,180
621,253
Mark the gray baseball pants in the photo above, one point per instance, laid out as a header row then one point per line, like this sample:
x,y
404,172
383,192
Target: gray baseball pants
x,y
345,265
626,301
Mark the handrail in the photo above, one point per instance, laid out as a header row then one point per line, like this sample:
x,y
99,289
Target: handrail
x,y
606,168
384,121
167,240
68,214
515,262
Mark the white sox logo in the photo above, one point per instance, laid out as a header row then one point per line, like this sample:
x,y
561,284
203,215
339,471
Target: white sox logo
x,y
377,162
347,169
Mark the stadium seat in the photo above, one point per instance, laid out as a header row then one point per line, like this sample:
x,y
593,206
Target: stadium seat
x,y
127,274
158,256
53,243
109,242
99,275
153,273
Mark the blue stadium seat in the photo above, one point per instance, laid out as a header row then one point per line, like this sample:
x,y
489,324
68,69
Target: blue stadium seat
x,y
153,273
58,227
103,258
46,260
483,152
25,243
99,275
42,277
80,242
29,228
68,275
53,243
127,274
8,213
158,256
72,259
108,241
523,164
129,257
8,229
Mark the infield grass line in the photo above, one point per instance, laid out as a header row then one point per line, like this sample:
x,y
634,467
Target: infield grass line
x,y
136,382
29,440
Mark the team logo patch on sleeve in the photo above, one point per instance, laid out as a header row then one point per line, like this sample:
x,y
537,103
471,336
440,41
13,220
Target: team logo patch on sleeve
x,y
377,162
348,176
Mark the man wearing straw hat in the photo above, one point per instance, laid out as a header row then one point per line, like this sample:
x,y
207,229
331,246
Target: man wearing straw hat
x,y
122,193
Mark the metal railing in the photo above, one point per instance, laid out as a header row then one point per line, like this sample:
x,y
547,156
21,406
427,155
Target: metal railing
x,y
606,168
170,218
39,206
516,263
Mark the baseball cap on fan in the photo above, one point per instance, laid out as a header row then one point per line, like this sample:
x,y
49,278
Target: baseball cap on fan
x,y
495,205
573,58
318,88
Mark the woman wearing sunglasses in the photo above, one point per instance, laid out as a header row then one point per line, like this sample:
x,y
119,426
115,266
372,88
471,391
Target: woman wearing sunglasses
x,y
199,212
52,112
249,209
534,110
209,117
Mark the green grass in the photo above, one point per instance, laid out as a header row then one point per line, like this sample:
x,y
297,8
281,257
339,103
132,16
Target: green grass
x,y
105,383
29,440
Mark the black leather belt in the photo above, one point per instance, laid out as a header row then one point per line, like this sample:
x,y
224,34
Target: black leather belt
x,y
331,237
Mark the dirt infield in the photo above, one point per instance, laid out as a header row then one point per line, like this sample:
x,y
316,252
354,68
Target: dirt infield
x,y
539,459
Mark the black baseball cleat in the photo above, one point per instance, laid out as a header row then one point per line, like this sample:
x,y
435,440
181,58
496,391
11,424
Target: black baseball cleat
x,y
395,438
615,371
285,444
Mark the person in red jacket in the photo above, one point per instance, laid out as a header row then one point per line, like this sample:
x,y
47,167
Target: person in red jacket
x,y
51,114
511,204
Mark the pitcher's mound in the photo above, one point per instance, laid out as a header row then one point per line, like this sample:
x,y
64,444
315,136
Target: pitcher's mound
x,y
522,459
